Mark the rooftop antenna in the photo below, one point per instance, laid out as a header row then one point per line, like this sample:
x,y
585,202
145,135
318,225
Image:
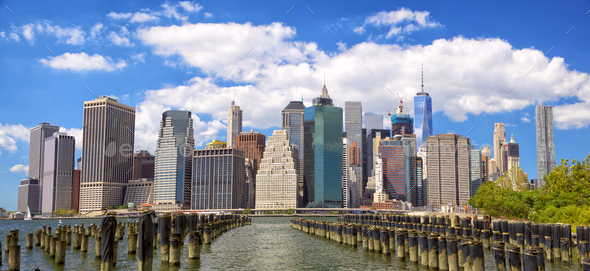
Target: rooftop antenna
x,y
324,78
301,97
422,76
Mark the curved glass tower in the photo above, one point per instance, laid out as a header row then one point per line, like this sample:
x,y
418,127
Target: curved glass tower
x,y
423,116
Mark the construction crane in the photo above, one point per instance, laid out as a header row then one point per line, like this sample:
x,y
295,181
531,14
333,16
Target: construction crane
x,y
388,113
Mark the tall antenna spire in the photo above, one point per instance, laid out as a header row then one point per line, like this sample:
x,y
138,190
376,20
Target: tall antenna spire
x,y
423,77
324,78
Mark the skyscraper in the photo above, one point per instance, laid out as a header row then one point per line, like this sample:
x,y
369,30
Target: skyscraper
x,y
107,152
353,124
173,163
371,148
143,165
373,121
58,173
449,180
218,178
419,183
499,138
545,147
423,115
476,170
345,177
29,193
277,177
293,124
234,123
249,192
323,153
37,147
513,155
395,169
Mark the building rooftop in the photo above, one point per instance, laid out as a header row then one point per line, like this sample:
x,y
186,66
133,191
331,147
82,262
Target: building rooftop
x,y
295,105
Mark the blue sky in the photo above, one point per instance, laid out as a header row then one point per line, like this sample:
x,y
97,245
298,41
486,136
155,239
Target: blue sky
x,y
200,56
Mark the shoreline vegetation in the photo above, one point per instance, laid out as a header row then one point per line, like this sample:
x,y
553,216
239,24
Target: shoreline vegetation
x,y
565,197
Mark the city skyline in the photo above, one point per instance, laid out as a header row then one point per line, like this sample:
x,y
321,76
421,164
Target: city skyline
x,y
206,88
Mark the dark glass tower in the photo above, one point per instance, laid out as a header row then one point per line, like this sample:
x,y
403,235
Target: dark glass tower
x,y
322,125
423,116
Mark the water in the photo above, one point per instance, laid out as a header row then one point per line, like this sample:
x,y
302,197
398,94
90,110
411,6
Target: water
x,y
268,244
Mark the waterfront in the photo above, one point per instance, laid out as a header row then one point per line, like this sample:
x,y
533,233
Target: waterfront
x,y
268,244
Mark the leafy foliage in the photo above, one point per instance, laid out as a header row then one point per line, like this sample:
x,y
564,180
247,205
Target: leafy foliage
x,y
64,212
565,197
247,211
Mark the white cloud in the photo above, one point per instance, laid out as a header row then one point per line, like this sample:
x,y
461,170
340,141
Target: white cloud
x,y
401,21
119,16
83,62
14,36
140,57
140,17
359,30
463,76
10,134
525,119
3,34
76,133
208,15
19,168
69,35
29,36
170,11
190,6
121,39
96,30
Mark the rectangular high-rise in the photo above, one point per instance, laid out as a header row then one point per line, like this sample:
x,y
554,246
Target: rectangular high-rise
x,y
449,181
234,123
143,165
545,146
36,148
345,175
58,173
293,124
476,170
29,192
173,163
107,152
373,121
353,126
323,153
218,179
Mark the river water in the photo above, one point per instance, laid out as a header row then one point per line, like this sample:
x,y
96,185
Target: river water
x,y
268,244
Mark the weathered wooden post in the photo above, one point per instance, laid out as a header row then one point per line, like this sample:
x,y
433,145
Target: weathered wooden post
x,y
476,253
423,244
146,237
107,238
514,258
174,251
433,251
60,252
37,238
452,257
52,243
165,225
443,260
84,243
467,264
498,252
194,245
14,257
29,241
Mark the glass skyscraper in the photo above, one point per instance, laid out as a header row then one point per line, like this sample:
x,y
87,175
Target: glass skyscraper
x,y
173,167
322,153
545,147
422,117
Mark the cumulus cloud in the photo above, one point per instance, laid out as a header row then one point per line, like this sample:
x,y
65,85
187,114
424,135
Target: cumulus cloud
x,y
19,169
2,34
14,36
69,35
208,15
463,76
121,38
401,21
96,30
140,17
190,6
10,134
525,119
119,16
140,57
170,11
26,30
83,62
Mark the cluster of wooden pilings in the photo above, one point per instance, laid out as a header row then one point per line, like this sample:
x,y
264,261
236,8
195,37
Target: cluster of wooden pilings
x,y
143,237
451,243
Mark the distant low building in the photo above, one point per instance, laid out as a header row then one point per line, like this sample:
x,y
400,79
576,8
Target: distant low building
x,y
17,216
139,192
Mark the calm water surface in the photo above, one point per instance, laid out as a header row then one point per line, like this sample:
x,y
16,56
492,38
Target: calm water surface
x,y
267,244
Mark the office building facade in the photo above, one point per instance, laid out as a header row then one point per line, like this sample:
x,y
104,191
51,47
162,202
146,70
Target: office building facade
x,y
37,138
234,123
173,161
353,126
58,173
29,193
140,191
293,124
545,146
322,153
218,179
423,116
401,123
107,152
252,144
249,192
449,180
143,165
476,170
373,121
499,139
277,181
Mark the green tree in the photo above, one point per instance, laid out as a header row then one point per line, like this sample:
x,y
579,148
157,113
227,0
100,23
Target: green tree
x,y
247,211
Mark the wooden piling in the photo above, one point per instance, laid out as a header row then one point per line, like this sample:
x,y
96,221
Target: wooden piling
x,y
60,252
52,244
194,245
107,238
174,251
29,241
165,225
14,257
146,237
